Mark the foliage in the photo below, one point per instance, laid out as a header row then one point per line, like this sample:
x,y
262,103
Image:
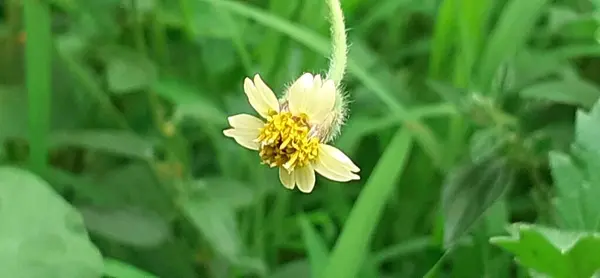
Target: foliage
x,y
466,116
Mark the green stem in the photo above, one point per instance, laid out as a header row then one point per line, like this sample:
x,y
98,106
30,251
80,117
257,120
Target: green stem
x,y
339,53
38,55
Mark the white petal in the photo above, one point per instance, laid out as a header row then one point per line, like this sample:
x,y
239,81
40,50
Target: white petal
x,y
332,172
243,137
299,93
249,134
268,96
336,158
260,96
245,121
322,102
305,178
317,81
286,178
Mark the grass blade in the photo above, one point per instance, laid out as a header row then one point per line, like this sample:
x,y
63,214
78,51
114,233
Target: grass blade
x,y
38,57
347,256
315,245
511,32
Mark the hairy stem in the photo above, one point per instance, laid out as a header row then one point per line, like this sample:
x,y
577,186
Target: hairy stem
x,y
339,53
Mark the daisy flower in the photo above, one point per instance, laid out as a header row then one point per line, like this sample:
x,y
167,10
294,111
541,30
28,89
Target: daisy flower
x,y
294,132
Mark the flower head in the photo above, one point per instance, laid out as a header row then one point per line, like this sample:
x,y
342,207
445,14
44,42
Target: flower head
x,y
295,131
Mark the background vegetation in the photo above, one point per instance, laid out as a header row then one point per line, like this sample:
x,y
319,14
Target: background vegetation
x,y
466,116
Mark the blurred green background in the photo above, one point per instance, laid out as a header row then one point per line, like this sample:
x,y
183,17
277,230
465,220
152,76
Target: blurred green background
x,y
118,107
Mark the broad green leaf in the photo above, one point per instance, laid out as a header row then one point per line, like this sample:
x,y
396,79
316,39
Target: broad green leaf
x,y
226,191
117,142
122,186
41,235
200,19
129,225
118,269
217,223
189,102
469,191
569,182
127,71
576,177
556,253
299,268
530,65
569,91
140,6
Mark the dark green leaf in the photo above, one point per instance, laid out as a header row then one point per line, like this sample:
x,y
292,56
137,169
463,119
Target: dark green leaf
x,y
315,245
132,226
118,269
117,142
189,102
470,191
568,91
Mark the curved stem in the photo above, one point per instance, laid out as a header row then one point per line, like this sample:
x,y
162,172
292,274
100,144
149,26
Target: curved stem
x,y
339,53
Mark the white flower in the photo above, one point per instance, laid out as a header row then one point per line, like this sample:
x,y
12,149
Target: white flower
x,y
292,136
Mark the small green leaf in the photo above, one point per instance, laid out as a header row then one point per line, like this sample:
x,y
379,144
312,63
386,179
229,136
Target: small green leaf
x,y
568,91
41,235
559,254
470,191
484,143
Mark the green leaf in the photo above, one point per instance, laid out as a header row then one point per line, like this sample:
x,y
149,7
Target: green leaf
x,y
576,177
132,226
226,191
117,142
347,256
188,102
217,224
127,71
315,245
504,42
118,269
41,235
569,91
216,221
299,268
559,254
485,143
470,191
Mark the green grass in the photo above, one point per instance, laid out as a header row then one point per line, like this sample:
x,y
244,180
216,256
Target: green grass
x,y
455,106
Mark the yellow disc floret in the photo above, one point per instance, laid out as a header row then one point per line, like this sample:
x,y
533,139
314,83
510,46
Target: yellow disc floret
x,y
285,141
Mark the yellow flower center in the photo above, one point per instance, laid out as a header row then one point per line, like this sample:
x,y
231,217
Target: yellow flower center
x,y
284,141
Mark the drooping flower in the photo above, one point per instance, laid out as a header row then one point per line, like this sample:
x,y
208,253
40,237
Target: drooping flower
x,y
294,132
